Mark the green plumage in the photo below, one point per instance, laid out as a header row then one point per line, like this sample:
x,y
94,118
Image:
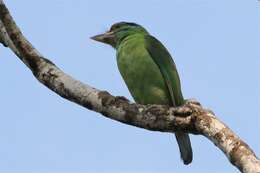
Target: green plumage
x,y
148,71
141,74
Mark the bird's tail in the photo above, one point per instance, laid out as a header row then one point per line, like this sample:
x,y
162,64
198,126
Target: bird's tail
x,y
183,141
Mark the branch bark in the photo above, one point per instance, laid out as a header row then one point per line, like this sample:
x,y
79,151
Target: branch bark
x,y
191,117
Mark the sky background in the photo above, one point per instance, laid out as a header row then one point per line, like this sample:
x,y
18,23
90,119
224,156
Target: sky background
x,y
215,45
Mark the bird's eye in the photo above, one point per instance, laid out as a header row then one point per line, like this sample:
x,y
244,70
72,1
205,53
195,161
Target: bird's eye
x,y
117,26
114,27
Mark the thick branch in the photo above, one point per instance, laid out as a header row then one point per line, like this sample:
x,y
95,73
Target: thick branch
x,y
191,117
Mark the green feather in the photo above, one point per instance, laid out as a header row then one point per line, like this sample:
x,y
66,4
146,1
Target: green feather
x,y
163,60
148,71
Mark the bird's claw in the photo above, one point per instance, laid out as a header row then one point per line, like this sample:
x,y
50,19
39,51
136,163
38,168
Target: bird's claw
x,y
182,111
192,101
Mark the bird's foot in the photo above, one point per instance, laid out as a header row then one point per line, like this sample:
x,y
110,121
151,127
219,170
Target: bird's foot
x,y
192,101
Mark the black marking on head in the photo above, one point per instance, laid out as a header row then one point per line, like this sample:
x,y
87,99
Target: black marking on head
x,y
120,24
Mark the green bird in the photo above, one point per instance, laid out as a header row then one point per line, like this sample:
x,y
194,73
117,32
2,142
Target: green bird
x,y
148,71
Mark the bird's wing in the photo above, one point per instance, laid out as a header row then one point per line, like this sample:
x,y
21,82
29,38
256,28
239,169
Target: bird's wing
x,y
164,61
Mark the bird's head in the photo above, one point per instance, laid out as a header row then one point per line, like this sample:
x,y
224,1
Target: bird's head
x,y
118,32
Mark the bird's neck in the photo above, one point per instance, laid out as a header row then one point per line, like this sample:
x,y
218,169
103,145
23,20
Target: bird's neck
x,y
124,40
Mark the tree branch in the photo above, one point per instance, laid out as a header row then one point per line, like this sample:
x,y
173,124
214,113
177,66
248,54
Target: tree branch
x,y
191,117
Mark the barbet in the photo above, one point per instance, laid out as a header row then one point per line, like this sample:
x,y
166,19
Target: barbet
x,y
148,71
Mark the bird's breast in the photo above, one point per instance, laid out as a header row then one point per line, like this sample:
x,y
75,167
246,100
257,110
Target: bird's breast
x,y
141,75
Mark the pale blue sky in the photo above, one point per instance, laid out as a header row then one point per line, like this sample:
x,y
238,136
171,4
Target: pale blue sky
x,y
215,45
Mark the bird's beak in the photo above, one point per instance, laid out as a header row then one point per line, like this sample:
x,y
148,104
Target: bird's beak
x,y
107,37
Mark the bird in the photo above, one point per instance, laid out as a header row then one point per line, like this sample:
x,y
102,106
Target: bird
x,y
148,70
